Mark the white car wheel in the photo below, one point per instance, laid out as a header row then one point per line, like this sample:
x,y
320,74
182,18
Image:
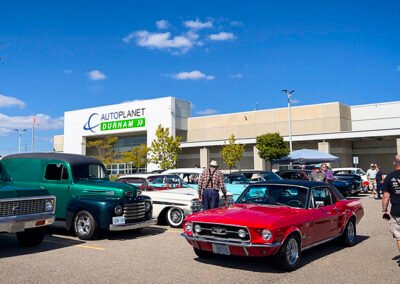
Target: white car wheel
x,y
175,217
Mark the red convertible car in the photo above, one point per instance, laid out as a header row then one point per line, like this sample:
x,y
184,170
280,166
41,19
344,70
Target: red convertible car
x,y
280,219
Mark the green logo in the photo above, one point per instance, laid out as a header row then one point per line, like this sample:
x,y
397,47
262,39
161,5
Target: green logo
x,y
123,124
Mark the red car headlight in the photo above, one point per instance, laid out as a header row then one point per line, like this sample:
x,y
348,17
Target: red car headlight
x,y
266,234
187,227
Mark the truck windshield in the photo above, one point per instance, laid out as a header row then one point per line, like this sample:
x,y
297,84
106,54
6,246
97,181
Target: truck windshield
x,y
89,171
3,175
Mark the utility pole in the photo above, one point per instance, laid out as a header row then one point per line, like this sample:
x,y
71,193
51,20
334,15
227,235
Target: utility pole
x,y
20,132
289,95
33,133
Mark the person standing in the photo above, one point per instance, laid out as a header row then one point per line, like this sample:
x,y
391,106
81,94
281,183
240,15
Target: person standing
x,y
210,183
379,181
317,174
329,178
371,175
391,192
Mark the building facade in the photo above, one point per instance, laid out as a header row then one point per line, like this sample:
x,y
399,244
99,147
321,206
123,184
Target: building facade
x,y
369,132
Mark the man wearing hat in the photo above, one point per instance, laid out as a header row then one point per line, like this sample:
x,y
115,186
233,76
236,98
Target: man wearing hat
x,y
210,183
371,175
317,174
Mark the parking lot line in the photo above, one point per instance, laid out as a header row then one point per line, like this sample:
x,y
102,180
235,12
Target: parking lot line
x,y
79,246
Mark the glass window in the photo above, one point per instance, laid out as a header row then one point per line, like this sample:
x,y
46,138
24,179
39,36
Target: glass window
x,y
322,196
89,171
56,172
288,195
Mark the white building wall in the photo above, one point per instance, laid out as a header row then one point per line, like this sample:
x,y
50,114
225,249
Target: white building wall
x,y
376,116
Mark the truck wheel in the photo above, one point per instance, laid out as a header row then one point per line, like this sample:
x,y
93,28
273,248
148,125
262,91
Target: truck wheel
x,y
349,236
203,254
31,237
288,257
175,217
85,226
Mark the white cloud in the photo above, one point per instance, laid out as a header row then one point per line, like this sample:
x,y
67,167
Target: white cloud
x,y
162,24
198,25
207,111
222,36
96,75
236,76
67,71
162,40
193,75
10,101
9,123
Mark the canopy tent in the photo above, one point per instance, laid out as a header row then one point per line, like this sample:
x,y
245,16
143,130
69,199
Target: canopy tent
x,y
306,156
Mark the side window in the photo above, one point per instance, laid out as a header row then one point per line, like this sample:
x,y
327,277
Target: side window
x,y
56,172
322,196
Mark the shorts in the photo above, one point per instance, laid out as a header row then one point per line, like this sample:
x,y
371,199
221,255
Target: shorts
x,y
372,184
395,227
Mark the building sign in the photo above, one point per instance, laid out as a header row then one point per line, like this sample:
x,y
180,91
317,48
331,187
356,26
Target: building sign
x,y
115,120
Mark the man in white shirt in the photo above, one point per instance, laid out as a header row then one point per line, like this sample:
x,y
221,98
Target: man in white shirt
x,y
371,175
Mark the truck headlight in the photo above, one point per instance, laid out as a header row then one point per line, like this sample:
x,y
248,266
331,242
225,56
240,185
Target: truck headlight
x,y
118,210
266,234
147,206
49,205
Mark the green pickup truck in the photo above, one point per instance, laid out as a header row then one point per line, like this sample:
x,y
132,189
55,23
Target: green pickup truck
x,y
87,201
24,211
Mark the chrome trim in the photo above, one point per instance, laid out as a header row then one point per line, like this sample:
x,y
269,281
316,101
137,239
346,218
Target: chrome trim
x,y
28,198
220,236
138,225
320,242
8,224
236,244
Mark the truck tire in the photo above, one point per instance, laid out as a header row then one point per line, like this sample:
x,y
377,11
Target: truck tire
x,y
85,226
31,237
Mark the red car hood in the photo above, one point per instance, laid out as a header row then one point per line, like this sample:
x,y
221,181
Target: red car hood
x,y
252,215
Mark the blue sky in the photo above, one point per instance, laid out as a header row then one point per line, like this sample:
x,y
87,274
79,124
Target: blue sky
x,y
223,56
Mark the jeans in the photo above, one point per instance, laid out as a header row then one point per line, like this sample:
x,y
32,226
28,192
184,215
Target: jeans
x,y
210,198
379,189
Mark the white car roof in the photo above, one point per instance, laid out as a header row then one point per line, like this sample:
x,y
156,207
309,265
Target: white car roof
x,y
184,171
346,169
142,175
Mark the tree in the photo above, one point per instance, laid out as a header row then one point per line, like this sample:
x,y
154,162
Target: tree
x,y
232,153
101,149
271,146
137,156
165,149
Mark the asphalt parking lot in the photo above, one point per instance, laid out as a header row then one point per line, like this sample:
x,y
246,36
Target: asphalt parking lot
x,y
160,255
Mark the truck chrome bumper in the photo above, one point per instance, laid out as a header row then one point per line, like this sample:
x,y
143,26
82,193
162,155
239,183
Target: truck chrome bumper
x,y
133,226
236,244
15,224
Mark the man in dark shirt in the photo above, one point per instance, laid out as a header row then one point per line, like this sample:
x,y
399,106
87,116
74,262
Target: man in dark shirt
x,y
379,181
391,191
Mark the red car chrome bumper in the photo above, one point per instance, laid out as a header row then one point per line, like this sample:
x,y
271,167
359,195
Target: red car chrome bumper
x,y
234,248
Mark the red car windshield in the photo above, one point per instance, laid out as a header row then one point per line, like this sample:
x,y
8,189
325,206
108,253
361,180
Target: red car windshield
x,y
287,195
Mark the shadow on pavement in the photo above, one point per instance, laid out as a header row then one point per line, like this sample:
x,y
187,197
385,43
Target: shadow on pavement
x,y
267,264
132,234
9,245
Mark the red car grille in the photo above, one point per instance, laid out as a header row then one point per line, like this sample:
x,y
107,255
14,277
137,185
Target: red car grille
x,y
221,232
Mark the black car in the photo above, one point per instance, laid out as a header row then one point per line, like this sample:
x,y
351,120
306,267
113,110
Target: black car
x,y
354,180
345,187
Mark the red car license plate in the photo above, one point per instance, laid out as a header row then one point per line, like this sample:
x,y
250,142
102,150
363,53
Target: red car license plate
x,y
221,249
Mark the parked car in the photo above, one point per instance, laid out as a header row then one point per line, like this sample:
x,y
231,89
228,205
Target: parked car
x,y
173,199
353,171
86,200
279,218
260,176
345,188
354,180
191,177
24,211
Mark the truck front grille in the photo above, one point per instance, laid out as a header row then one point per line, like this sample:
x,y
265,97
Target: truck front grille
x,y
134,212
21,207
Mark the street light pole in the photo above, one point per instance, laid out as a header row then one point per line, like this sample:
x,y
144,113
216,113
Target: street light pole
x,y
20,132
289,95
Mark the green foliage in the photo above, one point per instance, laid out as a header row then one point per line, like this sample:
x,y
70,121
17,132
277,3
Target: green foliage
x,y
165,149
101,149
271,146
232,153
137,156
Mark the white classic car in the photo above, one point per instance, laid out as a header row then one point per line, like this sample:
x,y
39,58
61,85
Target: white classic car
x,y
172,198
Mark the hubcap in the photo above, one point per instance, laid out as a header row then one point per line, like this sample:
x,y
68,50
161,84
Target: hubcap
x,y
83,225
176,216
350,232
292,251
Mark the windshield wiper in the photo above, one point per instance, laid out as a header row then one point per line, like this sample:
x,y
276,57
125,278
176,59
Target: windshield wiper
x,y
278,203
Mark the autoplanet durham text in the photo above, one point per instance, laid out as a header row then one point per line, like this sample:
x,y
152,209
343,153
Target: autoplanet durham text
x,y
125,123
